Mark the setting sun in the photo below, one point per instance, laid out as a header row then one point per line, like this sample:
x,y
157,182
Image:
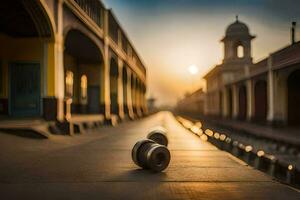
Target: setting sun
x,y
193,69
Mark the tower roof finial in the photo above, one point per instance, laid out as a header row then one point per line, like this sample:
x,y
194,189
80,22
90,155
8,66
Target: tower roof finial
x,y
237,17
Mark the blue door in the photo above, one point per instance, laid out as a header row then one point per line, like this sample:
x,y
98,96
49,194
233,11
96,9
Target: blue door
x,y
93,99
25,94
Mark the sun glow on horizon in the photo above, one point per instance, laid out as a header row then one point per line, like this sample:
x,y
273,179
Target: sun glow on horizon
x,y
193,69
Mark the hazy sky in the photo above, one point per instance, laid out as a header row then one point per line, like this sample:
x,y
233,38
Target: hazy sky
x,y
171,35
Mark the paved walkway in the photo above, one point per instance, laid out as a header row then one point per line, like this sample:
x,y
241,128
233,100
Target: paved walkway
x,y
97,165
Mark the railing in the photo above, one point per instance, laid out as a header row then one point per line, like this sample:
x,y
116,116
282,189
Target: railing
x,y
140,65
124,43
94,9
113,28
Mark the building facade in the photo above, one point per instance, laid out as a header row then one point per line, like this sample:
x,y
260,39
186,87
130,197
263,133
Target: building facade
x,y
64,57
263,92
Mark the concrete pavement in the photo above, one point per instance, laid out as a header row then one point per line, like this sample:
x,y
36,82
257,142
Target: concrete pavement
x,y
97,165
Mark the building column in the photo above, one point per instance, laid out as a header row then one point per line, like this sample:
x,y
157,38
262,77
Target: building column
x,y
129,95
107,101
277,97
220,103
138,99
102,88
59,77
281,102
50,93
106,68
143,100
206,104
120,89
270,114
235,102
133,94
250,99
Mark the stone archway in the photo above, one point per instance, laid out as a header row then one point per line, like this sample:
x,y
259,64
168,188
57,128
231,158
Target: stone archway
x,y
242,103
83,58
260,101
26,30
240,51
293,85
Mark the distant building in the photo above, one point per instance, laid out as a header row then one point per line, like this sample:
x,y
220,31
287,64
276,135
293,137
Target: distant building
x,y
192,103
266,91
151,104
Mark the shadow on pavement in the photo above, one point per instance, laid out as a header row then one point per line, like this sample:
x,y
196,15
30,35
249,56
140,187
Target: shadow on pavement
x,y
23,133
140,175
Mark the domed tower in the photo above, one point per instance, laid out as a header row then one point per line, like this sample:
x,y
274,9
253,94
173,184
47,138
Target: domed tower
x,y
237,44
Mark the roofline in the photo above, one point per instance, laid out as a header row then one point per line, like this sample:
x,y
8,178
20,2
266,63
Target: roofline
x,y
284,48
129,40
275,52
229,36
102,4
213,70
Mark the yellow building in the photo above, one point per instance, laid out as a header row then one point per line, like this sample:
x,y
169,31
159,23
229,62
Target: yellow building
x,y
64,57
